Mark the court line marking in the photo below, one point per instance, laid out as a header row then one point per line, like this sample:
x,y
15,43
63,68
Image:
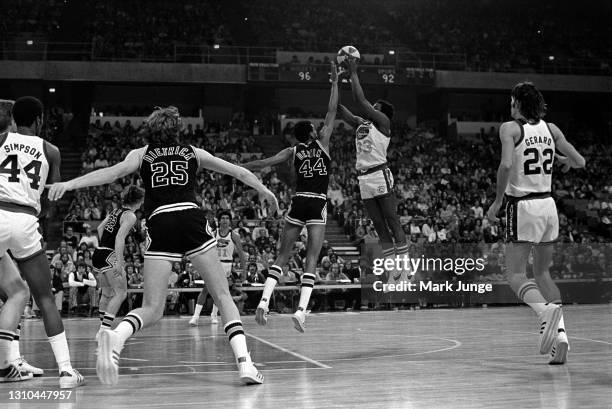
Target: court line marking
x,y
535,333
287,351
135,359
456,344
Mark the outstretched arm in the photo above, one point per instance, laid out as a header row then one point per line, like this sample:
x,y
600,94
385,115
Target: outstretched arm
x,y
348,117
377,117
213,163
99,177
571,158
332,106
280,157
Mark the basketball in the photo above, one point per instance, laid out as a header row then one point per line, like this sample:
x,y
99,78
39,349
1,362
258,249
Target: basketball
x,y
346,52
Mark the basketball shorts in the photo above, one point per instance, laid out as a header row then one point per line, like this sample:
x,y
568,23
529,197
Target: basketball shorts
x,y
376,184
532,220
307,209
103,260
178,230
227,267
19,233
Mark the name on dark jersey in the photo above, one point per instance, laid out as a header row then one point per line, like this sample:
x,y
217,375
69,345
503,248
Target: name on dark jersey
x,y
22,148
169,151
532,140
309,153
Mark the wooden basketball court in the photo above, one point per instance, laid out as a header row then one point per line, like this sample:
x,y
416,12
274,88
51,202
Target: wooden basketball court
x,y
466,358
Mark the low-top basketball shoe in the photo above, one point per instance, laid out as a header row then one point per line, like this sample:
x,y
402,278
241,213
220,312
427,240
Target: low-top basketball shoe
x,y
549,322
193,321
249,374
558,353
71,379
299,320
214,319
261,314
24,366
12,373
107,364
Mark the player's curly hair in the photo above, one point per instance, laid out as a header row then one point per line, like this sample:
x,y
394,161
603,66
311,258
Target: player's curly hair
x,y
224,213
132,195
530,101
163,125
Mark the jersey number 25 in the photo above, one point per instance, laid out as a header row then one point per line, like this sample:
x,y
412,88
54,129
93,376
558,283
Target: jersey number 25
x,y
164,175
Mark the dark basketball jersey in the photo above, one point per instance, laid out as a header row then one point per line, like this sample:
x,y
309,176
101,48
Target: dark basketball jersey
x,y
111,228
312,165
168,173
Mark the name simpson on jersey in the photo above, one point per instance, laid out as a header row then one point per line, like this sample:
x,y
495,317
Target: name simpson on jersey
x,y
22,148
532,140
170,151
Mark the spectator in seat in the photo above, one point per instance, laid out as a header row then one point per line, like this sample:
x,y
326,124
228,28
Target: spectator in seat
x,y
70,238
253,275
89,238
82,287
335,274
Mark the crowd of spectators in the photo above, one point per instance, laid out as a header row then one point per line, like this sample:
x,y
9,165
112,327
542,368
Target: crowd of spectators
x,y
494,36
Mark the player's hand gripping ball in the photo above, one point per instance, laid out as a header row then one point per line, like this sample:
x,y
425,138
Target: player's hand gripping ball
x,y
345,53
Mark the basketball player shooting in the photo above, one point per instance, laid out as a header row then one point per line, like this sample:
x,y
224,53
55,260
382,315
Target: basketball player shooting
x,y
311,161
524,177
372,136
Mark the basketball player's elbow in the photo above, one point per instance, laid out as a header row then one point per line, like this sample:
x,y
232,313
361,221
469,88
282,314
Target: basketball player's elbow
x,y
505,166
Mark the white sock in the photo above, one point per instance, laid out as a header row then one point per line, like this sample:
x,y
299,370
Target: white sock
x,y
14,351
531,295
6,340
305,293
130,324
237,340
215,311
561,323
197,311
60,350
274,274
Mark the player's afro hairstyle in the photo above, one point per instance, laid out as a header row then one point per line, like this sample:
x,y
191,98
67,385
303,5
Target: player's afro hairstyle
x,y
530,101
302,131
26,110
132,195
386,108
163,125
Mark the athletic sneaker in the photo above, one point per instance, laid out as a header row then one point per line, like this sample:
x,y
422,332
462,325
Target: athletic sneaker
x,y
193,321
107,364
261,314
299,320
558,354
214,319
24,366
249,374
549,322
71,379
12,373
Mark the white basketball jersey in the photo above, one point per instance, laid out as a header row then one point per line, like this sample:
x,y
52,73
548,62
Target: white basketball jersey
x,y
23,170
225,246
371,146
532,162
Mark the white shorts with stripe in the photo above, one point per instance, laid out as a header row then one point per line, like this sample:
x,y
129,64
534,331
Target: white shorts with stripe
x,y
532,220
19,234
375,184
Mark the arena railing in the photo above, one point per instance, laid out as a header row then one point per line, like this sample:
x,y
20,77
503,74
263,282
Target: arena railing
x,y
34,50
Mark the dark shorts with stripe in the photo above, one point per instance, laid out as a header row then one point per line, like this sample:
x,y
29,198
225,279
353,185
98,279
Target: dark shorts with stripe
x,y
103,259
175,234
307,210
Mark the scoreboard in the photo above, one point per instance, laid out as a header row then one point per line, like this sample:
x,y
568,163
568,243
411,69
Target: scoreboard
x,y
320,74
